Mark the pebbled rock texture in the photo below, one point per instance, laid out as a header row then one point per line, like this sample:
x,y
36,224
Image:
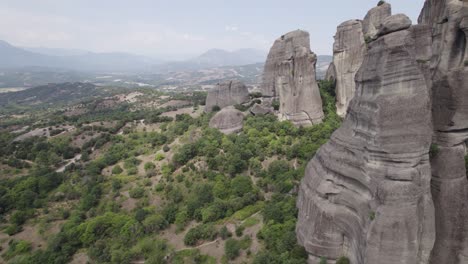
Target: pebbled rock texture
x,y
366,193
449,77
229,120
227,93
348,53
374,18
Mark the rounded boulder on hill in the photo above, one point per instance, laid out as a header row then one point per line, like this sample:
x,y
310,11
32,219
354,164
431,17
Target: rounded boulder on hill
x,y
229,120
226,94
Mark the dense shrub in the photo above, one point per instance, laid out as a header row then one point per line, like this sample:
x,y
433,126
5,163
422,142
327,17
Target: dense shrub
x,y
202,232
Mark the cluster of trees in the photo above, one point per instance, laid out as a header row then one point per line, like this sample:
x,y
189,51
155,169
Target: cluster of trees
x,y
211,177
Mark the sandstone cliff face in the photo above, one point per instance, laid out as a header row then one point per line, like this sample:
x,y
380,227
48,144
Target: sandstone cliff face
x,y
348,53
229,120
226,94
449,76
289,77
374,18
366,193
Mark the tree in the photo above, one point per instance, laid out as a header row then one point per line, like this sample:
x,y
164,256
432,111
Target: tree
x,y
343,260
232,248
117,170
241,185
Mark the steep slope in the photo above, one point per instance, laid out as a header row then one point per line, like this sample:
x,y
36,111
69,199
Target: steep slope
x,y
366,194
449,76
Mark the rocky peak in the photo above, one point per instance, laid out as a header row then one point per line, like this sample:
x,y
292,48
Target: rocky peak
x,y
374,18
394,23
289,77
348,52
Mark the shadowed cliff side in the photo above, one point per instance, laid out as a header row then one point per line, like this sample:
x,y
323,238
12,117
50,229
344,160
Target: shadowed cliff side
x,y
449,76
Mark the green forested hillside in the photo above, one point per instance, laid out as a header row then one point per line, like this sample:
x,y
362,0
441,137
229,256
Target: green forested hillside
x,y
174,191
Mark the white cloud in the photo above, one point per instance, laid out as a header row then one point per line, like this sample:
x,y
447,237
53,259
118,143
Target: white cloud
x,y
231,28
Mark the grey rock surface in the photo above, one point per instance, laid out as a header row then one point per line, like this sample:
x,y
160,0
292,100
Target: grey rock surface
x,y
394,23
282,49
227,93
348,53
299,95
366,193
374,18
331,73
289,77
449,78
229,120
261,109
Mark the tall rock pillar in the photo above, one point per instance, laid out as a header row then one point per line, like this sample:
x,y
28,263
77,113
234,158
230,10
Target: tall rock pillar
x,y
449,76
366,193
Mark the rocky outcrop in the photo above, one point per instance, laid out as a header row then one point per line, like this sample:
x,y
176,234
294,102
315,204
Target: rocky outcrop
x,y
282,49
449,77
261,109
289,77
366,193
348,53
229,120
374,18
394,23
299,95
331,73
226,94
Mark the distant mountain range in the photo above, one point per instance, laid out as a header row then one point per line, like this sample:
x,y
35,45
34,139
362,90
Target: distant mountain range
x,y
28,67
80,60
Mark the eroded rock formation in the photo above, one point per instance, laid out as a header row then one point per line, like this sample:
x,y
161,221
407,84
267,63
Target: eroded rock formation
x,y
374,18
366,193
289,77
282,49
227,93
331,73
348,53
228,120
299,95
449,76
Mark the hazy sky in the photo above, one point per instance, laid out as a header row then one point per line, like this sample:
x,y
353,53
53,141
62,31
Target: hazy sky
x,y
155,27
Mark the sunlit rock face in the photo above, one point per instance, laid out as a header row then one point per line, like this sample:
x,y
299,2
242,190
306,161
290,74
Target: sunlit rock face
x,y
282,49
299,95
229,120
348,53
289,77
366,193
449,76
226,94
374,18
